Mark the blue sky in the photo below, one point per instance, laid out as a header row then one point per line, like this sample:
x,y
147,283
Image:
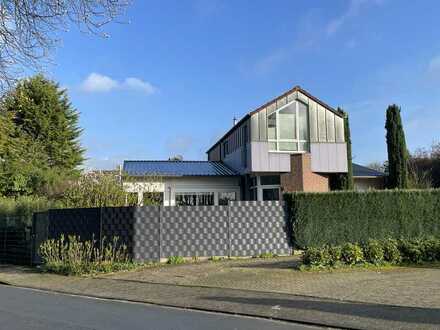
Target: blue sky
x,y
170,79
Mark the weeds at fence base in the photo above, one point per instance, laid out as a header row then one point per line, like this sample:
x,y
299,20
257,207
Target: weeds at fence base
x,y
90,268
71,256
175,260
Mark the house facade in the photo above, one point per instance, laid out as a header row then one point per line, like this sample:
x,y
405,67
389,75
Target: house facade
x,y
295,142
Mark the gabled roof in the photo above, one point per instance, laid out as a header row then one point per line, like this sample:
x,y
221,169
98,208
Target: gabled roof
x,y
360,171
176,168
290,91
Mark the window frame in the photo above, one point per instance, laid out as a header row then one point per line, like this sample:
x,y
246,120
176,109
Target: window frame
x,y
296,141
196,195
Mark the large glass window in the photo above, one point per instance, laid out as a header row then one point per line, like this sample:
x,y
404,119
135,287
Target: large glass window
x,y
288,128
192,199
272,126
287,122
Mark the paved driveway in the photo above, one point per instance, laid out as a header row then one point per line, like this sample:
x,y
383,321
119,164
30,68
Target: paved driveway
x,y
413,287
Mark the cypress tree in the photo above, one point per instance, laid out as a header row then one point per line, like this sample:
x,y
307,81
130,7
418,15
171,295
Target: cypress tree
x,y
397,152
349,182
345,181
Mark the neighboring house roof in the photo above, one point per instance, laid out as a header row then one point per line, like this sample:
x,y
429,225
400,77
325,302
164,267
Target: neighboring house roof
x,y
294,89
176,168
360,171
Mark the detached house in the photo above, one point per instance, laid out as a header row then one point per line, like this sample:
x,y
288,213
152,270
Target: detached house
x,y
294,142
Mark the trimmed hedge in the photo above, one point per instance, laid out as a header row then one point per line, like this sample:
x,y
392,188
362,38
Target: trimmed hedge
x,y
339,217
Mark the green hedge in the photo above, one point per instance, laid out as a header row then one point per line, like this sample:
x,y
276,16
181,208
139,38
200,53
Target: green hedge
x,y
336,218
18,211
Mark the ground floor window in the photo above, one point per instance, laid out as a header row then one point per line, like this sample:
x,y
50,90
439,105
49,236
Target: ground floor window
x,y
271,194
225,197
264,188
193,199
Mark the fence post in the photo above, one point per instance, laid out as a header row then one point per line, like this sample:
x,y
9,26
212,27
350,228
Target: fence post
x,y
160,233
5,244
100,229
229,228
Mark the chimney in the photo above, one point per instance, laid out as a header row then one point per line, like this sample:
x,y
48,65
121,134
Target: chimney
x,y
234,121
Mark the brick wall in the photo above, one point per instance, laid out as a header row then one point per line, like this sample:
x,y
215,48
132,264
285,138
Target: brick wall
x,y
301,177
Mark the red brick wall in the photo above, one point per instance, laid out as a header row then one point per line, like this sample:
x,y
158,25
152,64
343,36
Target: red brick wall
x,y
301,177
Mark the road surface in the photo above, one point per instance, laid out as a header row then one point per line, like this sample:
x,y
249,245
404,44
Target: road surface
x,y
22,309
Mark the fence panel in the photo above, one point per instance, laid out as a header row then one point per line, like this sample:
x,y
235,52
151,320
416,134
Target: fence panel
x,y
190,231
84,223
15,241
40,233
147,234
153,232
258,227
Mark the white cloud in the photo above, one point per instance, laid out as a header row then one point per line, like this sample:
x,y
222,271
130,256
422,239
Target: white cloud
x,y
98,83
354,9
138,84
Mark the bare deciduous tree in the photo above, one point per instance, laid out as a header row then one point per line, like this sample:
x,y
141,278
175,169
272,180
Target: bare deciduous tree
x,y
29,29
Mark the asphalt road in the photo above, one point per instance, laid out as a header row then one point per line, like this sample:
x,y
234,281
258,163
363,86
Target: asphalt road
x,y
28,309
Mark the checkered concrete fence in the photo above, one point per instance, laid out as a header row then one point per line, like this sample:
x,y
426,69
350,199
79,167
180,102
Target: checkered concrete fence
x,y
152,232
257,228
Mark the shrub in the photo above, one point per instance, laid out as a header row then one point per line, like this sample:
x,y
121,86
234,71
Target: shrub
x,y
72,256
352,254
391,252
411,250
338,217
175,260
431,249
335,253
316,257
373,252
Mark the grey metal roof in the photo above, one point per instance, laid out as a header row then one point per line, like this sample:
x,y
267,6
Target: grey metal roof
x,y
176,168
362,171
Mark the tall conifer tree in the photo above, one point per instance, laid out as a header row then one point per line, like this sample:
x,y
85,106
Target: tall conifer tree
x,y
42,112
397,152
345,181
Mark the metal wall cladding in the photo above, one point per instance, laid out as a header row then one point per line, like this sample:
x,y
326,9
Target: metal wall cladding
x,y
258,227
84,223
193,231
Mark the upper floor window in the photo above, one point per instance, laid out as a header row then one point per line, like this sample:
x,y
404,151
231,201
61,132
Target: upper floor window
x,y
225,148
288,128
